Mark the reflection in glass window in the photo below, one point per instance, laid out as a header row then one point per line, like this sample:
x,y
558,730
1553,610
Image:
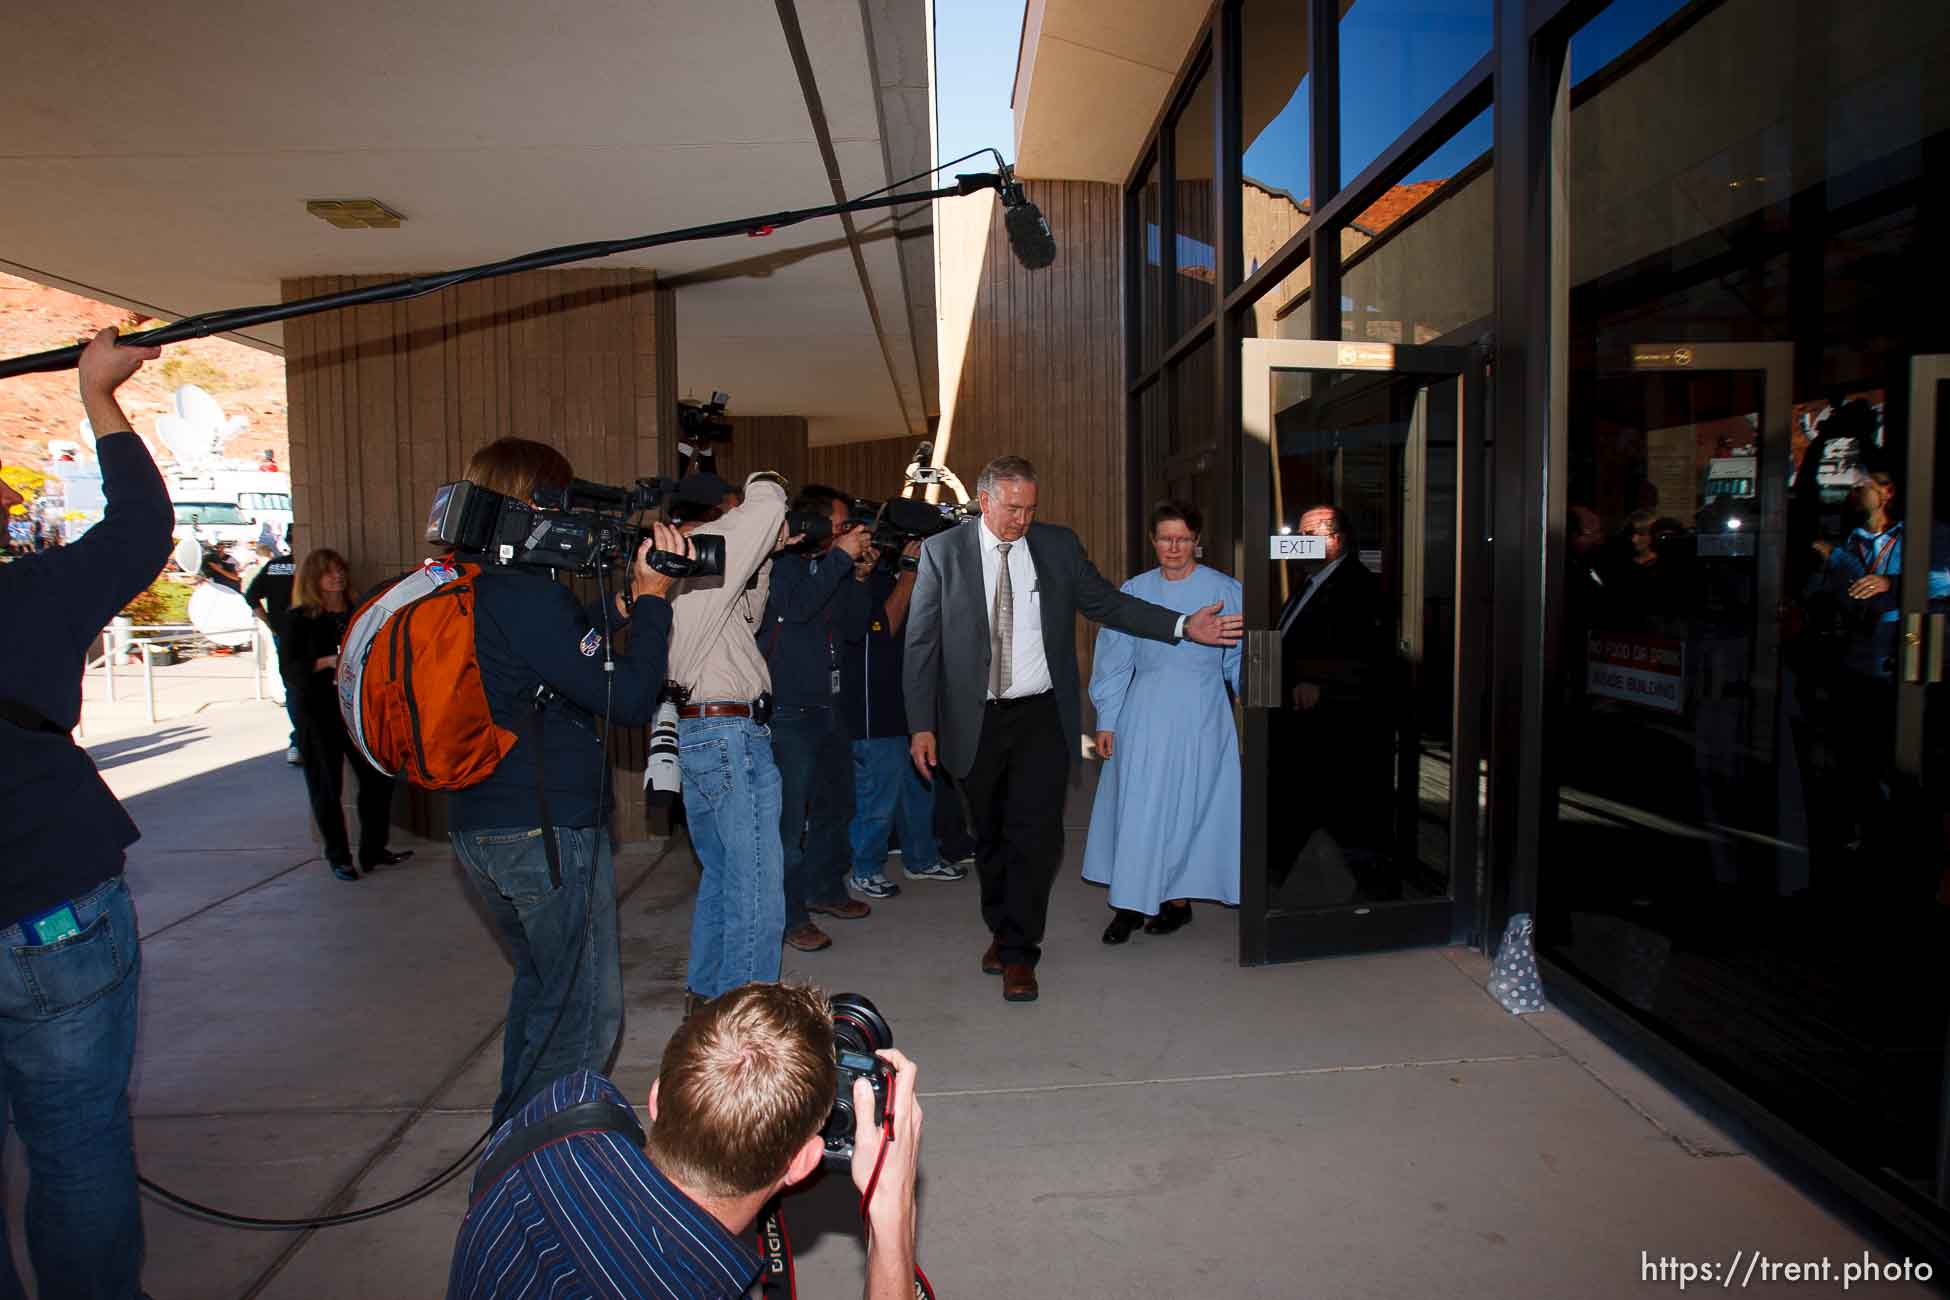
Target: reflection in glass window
x,y
1275,63
1754,265
1418,264
1197,261
1397,58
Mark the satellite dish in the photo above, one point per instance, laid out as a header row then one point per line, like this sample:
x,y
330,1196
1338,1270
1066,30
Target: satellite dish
x,y
196,431
188,555
221,615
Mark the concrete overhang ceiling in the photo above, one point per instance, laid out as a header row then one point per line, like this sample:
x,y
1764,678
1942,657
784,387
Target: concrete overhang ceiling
x,y
161,157
1091,76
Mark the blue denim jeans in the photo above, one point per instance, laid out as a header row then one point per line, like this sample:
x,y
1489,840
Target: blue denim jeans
x,y
67,1042
888,791
564,1014
731,801
816,792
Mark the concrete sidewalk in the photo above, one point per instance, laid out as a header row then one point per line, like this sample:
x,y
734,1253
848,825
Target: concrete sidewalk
x,y
1161,1123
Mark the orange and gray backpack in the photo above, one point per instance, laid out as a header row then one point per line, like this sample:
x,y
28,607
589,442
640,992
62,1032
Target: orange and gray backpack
x,y
410,685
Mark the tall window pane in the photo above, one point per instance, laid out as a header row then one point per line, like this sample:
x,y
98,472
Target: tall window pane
x,y
1195,209
1275,73
1151,329
1747,856
1397,57
1418,263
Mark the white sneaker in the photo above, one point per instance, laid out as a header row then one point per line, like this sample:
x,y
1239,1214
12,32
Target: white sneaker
x,y
293,757
939,871
874,886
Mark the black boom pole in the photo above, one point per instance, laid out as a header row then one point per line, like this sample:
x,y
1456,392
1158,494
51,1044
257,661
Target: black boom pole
x,y
236,318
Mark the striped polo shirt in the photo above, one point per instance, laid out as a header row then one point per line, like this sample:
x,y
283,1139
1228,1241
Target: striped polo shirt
x,y
590,1218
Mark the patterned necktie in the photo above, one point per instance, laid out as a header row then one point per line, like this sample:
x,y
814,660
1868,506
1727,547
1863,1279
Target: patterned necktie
x,y
1002,627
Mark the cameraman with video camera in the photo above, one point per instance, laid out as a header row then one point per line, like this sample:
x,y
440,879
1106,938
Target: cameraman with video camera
x,y
815,609
532,835
68,998
723,693
744,1103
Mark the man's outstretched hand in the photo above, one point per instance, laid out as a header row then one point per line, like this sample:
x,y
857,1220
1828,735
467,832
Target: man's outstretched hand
x,y
1210,627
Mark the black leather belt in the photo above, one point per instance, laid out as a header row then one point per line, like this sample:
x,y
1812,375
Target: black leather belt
x,y
1019,700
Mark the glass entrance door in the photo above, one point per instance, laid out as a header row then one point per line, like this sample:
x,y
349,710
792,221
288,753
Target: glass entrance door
x,y
1363,772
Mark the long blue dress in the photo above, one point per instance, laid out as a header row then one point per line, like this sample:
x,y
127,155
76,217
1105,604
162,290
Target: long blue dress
x,y
1166,821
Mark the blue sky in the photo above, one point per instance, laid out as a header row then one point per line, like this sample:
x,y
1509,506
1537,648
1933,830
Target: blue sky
x,y
975,68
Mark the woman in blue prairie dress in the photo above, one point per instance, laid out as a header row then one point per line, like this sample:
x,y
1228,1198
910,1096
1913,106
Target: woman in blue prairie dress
x,y
1165,828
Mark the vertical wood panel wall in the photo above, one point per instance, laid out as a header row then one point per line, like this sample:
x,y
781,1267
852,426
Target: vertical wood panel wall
x,y
776,442
875,469
388,402
1043,375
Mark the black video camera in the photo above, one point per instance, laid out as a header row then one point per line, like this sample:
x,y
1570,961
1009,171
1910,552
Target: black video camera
x,y
584,527
900,520
705,421
859,1030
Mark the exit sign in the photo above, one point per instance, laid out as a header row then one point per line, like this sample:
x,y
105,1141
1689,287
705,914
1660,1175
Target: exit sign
x,y
1298,546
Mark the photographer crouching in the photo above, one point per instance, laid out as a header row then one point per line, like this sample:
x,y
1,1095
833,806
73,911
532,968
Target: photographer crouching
x,y
535,839
755,1091
68,997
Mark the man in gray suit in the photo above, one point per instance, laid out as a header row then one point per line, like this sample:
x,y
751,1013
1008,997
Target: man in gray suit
x,y
991,666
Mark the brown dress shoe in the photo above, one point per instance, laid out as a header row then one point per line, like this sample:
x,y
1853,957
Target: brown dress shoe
x,y
847,909
992,959
808,938
1019,982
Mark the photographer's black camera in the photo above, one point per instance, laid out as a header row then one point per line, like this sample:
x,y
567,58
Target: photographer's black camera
x,y
900,520
859,1030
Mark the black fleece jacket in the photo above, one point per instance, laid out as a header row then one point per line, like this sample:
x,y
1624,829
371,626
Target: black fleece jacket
x,y
65,831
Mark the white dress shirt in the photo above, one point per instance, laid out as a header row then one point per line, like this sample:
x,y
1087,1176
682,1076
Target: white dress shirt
x,y
1029,667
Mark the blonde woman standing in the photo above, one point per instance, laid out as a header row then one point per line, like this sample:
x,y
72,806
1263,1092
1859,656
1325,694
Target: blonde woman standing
x,y
313,630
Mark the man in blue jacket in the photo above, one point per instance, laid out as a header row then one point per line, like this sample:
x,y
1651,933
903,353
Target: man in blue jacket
x,y
68,997
814,608
534,836
885,785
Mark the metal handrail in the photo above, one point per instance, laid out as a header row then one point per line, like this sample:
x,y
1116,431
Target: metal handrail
x,y
116,640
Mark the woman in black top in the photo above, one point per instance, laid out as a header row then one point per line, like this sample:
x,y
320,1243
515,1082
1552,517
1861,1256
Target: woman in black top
x,y
313,631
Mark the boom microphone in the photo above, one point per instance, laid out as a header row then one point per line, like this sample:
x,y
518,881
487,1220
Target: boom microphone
x,y
1029,236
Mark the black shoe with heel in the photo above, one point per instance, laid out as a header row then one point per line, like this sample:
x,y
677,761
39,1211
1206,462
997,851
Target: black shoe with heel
x,y
385,858
1170,917
1122,924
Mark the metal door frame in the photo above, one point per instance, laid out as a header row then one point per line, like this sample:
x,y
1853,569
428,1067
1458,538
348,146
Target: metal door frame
x,y
1366,927
1921,649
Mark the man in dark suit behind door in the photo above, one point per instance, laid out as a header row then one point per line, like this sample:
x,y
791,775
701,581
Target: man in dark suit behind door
x,y
992,692
1331,741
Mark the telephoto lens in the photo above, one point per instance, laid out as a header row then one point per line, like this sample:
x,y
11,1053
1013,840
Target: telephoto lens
x,y
663,779
859,1030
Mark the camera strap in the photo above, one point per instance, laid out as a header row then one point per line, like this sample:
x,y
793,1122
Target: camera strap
x,y
597,1116
775,1277
541,795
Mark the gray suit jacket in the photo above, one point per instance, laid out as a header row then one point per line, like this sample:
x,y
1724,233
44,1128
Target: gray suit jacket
x,y
946,670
